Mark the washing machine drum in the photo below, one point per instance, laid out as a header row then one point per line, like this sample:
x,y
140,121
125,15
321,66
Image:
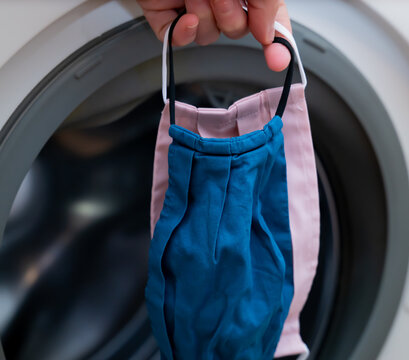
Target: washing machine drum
x,y
74,251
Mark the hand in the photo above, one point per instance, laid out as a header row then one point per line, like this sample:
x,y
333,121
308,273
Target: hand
x,y
205,19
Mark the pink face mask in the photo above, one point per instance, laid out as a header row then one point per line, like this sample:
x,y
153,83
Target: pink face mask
x,y
244,116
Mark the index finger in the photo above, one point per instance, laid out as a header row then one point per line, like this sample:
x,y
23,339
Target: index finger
x,y
261,15
185,30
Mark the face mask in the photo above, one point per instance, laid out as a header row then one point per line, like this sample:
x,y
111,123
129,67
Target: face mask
x,y
208,337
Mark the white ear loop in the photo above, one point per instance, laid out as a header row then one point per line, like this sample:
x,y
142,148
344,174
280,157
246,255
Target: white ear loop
x,y
279,27
306,353
283,30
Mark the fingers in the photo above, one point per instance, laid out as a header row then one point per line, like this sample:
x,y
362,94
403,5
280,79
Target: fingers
x,y
206,18
230,17
185,30
261,15
282,16
207,31
277,56
161,13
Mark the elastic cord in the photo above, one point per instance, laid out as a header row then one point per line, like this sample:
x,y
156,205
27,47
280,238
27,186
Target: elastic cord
x,y
288,77
305,355
287,34
278,27
172,72
168,41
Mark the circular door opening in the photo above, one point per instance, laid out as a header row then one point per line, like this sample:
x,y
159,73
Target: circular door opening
x,y
76,233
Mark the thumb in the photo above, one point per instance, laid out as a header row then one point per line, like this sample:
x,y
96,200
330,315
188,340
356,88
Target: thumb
x,y
262,14
277,56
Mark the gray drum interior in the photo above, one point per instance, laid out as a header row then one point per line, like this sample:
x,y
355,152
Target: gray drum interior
x,y
363,171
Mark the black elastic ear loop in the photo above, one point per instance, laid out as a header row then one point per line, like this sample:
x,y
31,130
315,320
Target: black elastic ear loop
x,y
288,77
172,95
286,88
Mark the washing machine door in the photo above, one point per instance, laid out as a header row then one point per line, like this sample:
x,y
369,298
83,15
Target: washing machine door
x,y
76,160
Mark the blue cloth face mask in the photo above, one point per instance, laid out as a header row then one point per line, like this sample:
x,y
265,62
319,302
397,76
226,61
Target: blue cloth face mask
x,y
220,264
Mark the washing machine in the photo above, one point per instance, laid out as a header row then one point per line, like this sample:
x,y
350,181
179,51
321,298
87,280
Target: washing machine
x,y
80,103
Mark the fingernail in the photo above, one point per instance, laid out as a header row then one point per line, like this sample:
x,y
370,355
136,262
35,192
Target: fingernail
x,y
192,27
191,30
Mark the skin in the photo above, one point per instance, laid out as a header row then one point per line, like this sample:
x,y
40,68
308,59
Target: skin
x,y
206,19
